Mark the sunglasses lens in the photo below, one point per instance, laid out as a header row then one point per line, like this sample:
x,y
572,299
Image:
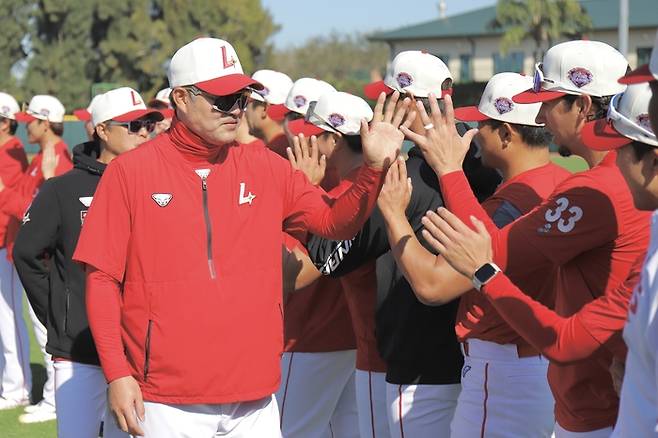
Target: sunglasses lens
x,y
227,103
137,125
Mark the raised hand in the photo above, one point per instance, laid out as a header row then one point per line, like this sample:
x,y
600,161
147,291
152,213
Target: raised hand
x,y
443,147
49,162
466,250
382,139
305,156
396,191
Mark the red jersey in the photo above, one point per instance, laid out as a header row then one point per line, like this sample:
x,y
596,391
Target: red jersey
x,y
192,233
476,317
278,145
13,163
591,231
15,200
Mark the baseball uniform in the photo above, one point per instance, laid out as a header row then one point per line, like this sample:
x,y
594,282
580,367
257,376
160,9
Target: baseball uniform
x,y
591,231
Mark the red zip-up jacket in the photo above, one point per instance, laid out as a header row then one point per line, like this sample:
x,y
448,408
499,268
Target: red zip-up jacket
x,y
13,163
193,234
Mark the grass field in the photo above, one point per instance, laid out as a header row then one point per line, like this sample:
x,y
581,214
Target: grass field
x,y
11,428
9,425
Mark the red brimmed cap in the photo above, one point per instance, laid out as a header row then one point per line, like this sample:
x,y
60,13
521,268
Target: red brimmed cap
x,y
470,114
139,114
637,76
226,85
600,135
374,89
82,114
301,126
24,117
529,96
277,112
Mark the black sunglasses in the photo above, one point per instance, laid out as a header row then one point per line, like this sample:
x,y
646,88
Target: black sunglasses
x,y
136,125
224,104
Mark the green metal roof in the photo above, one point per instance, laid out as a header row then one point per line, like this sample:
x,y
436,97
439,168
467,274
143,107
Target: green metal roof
x,y
604,14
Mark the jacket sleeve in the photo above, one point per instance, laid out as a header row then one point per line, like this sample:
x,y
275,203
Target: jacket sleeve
x,y
36,241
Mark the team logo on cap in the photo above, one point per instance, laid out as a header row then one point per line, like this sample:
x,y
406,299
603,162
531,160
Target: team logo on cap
x,y
503,105
5,110
336,120
162,199
644,121
299,100
264,92
404,79
580,76
44,112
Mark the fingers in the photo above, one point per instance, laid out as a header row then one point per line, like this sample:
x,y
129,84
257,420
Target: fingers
x,y
139,407
378,112
410,186
390,107
291,156
434,243
297,147
303,145
323,164
121,421
314,149
480,228
450,110
452,221
436,110
393,173
411,116
131,421
416,138
423,114
365,130
400,111
468,136
402,169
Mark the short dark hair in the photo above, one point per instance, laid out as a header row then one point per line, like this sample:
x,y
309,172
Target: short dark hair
x,y
533,136
13,124
292,115
58,128
641,149
354,143
601,104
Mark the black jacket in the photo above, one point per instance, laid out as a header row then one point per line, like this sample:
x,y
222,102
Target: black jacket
x,y
418,342
55,285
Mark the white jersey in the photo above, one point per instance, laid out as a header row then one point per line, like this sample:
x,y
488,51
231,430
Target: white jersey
x,y
638,410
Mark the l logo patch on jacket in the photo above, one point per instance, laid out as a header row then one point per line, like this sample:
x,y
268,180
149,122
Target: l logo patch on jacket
x,y
162,199
244,199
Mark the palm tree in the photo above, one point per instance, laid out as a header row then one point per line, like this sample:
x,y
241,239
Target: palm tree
x,y
543,21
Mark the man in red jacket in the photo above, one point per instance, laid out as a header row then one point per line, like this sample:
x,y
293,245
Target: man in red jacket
x,y
44,118
183,250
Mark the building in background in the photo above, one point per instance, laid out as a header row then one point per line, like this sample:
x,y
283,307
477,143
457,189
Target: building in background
x,y
471,47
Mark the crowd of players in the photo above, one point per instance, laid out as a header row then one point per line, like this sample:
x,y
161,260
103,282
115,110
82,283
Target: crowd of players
x,y
261,261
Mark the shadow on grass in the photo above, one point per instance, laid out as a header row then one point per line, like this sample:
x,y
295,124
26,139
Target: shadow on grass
x,y
38,379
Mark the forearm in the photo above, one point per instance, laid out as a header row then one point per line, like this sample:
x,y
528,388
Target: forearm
x,y
104,313
460,200
344,217
35,279
560,339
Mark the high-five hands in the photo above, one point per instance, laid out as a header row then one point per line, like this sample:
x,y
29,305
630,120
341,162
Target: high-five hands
x,y
305,156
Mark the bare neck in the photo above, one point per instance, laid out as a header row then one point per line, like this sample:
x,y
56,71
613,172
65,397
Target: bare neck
x,y
49,139
271,131
527,159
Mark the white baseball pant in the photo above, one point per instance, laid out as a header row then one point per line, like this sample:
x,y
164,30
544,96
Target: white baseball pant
x,y
41,336
317,397
371,404
421,411
503,395
258,418
15,375
81,395
599,433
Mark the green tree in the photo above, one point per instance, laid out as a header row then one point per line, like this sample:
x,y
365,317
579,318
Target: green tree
x,y
14,24
542,21
345,61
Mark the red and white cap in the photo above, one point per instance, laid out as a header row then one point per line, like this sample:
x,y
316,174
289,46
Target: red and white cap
x,y
577,68
304,91
496,102
645,73
162,96
122,105
414,71
84,114
627,121
333,112
276,86
212,65
43,107
8,106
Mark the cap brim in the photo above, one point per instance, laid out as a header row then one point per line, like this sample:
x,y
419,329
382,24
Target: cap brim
x,y
301,126
600,135
229,84
639,75
24,117
470,114
530,96
82,114
374,89
167,113
139,114
277,112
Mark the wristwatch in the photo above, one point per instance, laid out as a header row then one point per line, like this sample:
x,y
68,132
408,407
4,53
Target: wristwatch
x,y
484,274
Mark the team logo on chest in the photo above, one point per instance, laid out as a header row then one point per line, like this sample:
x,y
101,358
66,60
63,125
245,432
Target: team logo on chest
x,y
245,198
162,199
86,201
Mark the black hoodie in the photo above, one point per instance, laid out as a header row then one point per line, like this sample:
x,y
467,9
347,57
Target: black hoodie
x,y
55,285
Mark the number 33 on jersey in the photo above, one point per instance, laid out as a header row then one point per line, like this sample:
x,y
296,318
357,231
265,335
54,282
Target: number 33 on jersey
x,y
562,216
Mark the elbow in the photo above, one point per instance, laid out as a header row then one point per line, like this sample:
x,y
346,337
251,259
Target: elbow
x,y
428,294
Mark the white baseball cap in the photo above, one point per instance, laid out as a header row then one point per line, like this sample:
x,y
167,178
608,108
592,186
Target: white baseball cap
x,y
647,72
304,91
496,102
627,121
333,112
43,107
8,106
84,114
162,96
276,86
122,105
577,68
414,71
212,65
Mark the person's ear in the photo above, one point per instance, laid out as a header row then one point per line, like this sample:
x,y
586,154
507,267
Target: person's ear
x,y
102,131
180,97
506,134
654,160
585,106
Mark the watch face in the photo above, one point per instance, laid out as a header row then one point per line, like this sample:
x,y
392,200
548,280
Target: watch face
x,y
485,273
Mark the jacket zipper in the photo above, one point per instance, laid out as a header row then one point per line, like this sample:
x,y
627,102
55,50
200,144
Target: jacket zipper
x,y
66,312
206,214
147,350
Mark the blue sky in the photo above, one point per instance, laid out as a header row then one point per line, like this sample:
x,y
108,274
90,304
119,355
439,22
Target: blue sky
x,y
301,19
